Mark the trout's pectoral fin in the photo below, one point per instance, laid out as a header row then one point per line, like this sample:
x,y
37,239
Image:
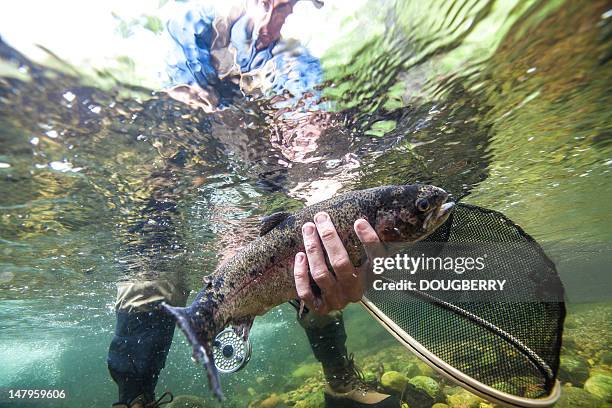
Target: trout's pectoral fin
x,y
242,327
202,347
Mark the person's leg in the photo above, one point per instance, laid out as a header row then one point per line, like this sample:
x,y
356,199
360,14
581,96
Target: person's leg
x,y
345,387
154,264
142,339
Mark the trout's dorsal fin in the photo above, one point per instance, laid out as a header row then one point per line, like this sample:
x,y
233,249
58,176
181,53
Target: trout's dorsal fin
x,y
268,223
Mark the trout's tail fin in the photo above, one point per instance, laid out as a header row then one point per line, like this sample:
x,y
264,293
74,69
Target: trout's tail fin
x,y
201,341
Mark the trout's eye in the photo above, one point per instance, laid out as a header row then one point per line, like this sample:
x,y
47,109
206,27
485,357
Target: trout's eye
x,y
422,204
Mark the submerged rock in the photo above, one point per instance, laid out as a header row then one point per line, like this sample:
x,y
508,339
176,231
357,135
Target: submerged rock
x,y
452,390
573,369
187,401
427,384
425,369
273,401
411,370
573,397
599,370
394,381
314,400
464,399
416,397
606,357
307,395
306,371
600,385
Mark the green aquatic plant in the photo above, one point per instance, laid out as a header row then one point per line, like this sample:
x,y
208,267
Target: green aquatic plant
x,y
370,377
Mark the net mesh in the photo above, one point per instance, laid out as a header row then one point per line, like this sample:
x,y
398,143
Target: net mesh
x,y
512,346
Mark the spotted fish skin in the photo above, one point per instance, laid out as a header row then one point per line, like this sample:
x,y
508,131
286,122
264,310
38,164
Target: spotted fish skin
x,y
260,276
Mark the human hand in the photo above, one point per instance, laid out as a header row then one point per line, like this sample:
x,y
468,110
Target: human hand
x,y
348,283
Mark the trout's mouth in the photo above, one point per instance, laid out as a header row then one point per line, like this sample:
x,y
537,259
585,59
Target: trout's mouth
x,y
438,216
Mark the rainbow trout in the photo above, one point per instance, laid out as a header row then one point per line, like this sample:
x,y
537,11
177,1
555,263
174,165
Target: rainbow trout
x,y
260,276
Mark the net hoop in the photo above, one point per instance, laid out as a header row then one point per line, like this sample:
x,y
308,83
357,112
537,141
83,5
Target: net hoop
x,y
455,375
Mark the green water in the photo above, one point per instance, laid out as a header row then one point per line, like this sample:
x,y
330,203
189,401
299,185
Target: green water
x,y
505,103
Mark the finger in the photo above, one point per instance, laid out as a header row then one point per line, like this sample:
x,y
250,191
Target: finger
x,y
338,257
374,249
368,237
316,259
302,279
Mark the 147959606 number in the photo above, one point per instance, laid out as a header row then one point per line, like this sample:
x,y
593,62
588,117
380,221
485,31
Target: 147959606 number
x,y
36,394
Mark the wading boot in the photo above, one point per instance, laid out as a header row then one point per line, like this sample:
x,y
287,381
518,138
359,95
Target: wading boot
x,y
345,385
347,389
147,401
136,356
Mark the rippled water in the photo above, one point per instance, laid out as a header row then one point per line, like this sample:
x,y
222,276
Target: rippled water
x,y
505,104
